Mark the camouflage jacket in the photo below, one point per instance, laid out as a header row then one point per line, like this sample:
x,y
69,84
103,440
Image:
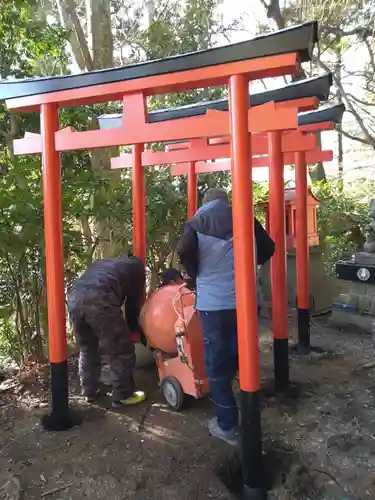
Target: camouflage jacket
x,y
110,282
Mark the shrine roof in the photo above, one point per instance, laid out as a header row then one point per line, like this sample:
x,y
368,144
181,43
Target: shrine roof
x,y
290,195
297,39
312,87
324,114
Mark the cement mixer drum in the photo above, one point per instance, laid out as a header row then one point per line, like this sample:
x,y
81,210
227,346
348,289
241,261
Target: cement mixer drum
x,y
159,315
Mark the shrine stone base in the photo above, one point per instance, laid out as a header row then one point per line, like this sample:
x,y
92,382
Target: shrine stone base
x,y
355,309
321,287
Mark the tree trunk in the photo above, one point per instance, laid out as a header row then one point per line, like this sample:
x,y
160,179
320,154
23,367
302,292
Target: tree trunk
x,y
317,172
38,342
66,9
102,50
102,37
91,44
274,12
151,8
340,149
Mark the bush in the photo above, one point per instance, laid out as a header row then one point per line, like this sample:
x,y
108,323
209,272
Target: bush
x,y
342,218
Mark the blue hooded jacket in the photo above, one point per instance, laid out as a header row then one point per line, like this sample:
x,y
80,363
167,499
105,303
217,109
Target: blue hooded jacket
x,y
206,252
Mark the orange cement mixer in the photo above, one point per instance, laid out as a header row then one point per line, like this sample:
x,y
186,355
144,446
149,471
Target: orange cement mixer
x,y
172,327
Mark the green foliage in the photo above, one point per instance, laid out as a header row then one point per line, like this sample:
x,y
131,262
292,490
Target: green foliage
x,y
21,233
166,211
28,44
342,218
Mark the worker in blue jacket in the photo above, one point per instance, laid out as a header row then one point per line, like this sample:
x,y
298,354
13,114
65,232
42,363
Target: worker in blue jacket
x,y
206,252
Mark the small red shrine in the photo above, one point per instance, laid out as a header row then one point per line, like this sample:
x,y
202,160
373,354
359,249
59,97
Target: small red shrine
x,y
291,218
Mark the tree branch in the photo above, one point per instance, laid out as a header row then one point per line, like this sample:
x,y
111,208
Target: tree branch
x,y
369,140
370,51
355,138
360,31
274,12
359,101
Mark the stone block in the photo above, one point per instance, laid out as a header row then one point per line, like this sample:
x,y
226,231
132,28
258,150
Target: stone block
x,y
321,285
364,303
358,288
371,290
340,299
365,259
349,299
361,323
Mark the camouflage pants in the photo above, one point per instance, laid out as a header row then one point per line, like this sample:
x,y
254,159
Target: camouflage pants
x,y
105,326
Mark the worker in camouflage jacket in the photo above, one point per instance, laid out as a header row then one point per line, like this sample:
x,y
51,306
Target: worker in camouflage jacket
x,y
206,251
95,307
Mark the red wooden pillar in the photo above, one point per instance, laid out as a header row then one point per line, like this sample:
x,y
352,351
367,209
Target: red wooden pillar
x,y
192,190
278,262
139,207
302,255
245,277
60,417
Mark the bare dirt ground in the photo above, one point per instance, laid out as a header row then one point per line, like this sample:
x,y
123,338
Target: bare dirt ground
x,y
323,442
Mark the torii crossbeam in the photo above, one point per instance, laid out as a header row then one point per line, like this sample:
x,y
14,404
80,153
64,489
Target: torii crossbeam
x,y
286,152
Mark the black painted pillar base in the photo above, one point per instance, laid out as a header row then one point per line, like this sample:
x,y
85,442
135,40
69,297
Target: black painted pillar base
x,y
61,417
251,447
281,364
250,494
57,422
303,325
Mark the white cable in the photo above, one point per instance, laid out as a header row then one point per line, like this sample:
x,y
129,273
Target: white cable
x,y
174,301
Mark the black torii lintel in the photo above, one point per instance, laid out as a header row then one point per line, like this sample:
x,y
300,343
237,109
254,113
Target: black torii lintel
x,y
318,87
298,39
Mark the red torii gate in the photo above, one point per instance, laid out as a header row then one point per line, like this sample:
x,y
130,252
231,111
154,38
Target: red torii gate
x,y
300,159
193,169
196,164
274,55
277,144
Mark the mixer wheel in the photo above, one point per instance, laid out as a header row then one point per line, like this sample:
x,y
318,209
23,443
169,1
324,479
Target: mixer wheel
x,y
173,393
